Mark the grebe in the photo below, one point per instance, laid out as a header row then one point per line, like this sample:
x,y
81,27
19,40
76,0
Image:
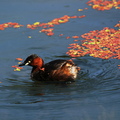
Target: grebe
x,y
56,70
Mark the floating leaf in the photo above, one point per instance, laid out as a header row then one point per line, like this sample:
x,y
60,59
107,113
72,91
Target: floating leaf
x,y
36,23
52,23
9,24
80,9
103,43
104,4
19,59
75,36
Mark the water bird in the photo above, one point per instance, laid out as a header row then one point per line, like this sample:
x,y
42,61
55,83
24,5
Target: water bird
x,y
56,70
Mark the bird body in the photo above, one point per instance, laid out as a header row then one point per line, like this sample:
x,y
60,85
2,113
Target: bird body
x,y
56,70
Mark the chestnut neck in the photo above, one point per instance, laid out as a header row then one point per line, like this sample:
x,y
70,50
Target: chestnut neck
x,y
37,64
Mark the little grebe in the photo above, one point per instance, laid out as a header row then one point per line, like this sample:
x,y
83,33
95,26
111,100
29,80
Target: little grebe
x,y
56,70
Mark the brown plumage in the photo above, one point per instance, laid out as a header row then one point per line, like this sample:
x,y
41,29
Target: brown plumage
x,y
56,70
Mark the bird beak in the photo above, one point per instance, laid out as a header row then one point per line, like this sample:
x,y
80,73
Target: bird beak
x,y
22,64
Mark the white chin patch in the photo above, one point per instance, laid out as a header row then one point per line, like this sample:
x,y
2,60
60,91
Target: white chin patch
x,y
28,63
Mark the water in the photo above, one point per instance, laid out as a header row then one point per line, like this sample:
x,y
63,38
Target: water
x,y
94,95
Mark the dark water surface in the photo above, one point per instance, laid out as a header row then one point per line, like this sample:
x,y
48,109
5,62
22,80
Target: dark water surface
x,y
96,93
